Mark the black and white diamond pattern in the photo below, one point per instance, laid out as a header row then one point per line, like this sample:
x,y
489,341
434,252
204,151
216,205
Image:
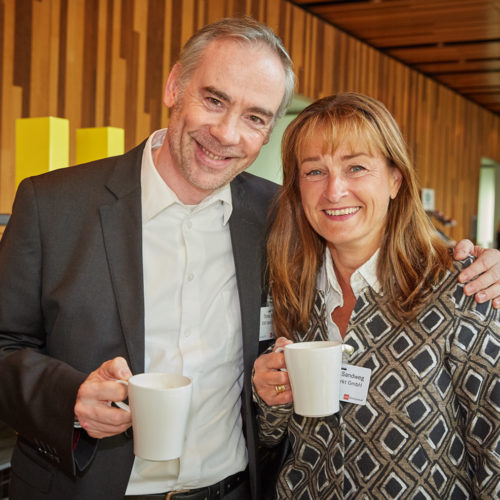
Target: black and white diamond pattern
x,y
419,460
421,494
393,438
401,344
417,409
391,386
394,487
432,319
437,433
443,383
491,349
494,394
377,326
423,362
431,426
466,335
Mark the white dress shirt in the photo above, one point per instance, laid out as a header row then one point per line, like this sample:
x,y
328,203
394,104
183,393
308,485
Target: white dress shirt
x,y
364,276
193,327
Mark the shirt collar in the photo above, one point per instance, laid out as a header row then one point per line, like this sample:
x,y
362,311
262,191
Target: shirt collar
x,y
156,195
364,276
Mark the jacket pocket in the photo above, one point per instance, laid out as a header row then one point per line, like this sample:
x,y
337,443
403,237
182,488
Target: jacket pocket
x,y
27,467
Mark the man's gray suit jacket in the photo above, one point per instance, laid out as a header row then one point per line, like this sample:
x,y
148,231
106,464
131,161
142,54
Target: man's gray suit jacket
x,y
71,297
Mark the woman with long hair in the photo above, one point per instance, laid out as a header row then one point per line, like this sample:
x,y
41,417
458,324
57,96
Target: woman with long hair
x,y
353,257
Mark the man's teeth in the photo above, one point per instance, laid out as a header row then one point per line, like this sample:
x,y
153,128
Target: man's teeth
x,y
342,211
210,155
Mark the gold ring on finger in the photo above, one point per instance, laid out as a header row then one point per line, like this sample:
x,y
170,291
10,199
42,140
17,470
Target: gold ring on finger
x,y
279,388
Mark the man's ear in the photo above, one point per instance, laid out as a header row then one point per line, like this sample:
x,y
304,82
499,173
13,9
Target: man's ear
x,y
171,92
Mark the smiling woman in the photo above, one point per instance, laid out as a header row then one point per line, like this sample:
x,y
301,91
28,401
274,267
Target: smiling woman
x,y
345,196
352,257
346,153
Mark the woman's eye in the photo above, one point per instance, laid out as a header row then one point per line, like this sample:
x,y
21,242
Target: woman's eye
x,y
357,168
313,173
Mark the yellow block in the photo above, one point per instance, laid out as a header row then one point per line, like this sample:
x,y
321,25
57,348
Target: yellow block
x,y
42,144
99,142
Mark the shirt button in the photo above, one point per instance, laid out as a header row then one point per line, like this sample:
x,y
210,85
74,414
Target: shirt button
x,y
189,224
190,277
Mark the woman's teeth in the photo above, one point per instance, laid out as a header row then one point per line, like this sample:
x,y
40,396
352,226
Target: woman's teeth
x,y
342,211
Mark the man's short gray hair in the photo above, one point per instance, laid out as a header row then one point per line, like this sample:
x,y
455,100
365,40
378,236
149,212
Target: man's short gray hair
x,y
245,29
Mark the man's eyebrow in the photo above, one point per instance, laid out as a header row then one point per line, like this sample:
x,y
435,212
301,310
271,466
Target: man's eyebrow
x,y
218,93
224,97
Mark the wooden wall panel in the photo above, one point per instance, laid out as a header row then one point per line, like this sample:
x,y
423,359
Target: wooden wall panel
x,y
104,63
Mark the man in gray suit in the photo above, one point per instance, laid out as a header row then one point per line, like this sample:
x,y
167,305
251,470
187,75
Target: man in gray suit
x,y
150,261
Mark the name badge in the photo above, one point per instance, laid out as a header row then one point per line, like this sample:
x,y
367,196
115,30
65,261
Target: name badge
x,y
354,383
266,323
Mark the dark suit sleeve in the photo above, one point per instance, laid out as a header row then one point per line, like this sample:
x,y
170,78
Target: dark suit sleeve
x,y
37,392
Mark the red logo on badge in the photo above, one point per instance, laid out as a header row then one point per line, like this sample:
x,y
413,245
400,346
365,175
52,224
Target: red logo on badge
x,y
346,397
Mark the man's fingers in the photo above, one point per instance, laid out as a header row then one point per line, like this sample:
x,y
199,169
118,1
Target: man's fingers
x,y
100,430
487,281
115,369
490,293
488,262
93,402
462,249
93,392
103,420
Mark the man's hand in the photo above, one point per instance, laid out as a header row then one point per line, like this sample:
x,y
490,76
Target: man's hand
x,y
486,267
93,402
268,376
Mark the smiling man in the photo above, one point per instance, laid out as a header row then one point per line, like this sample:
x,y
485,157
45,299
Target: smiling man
x,y
148,262
220,118
151,261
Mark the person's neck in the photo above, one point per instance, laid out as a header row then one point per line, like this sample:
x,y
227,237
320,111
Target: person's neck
x,y
346,261
173,178
341,315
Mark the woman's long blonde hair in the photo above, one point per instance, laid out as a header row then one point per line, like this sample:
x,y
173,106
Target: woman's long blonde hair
x,y
412,257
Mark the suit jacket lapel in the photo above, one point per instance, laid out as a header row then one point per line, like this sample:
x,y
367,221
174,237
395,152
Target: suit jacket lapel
x,y
247,240
122,232
251,200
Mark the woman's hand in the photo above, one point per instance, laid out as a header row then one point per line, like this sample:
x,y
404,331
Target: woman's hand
x,y
271,382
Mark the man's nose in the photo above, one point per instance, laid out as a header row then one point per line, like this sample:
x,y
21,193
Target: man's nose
x,y
226,129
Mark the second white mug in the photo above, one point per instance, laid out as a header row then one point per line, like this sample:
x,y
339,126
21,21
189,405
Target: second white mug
x,y
314,373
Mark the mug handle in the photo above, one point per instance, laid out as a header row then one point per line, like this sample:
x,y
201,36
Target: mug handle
x,y
121,404
281,349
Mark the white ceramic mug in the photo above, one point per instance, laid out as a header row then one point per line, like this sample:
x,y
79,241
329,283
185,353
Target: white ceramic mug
x,y
159,403
314,372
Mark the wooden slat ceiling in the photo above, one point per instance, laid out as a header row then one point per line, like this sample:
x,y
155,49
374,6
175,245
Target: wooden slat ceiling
x,y
456,42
